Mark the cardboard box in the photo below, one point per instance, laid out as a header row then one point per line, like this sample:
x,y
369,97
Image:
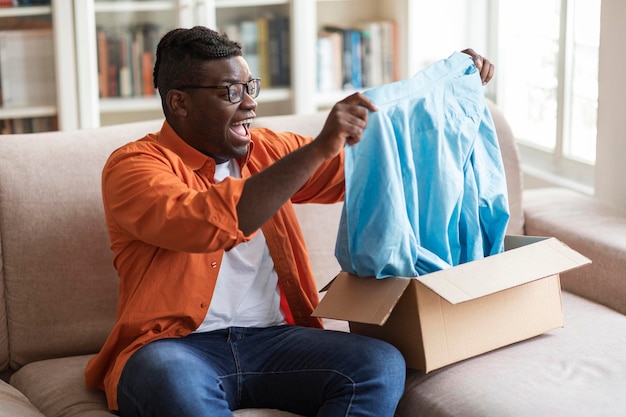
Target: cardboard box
x,y
451,315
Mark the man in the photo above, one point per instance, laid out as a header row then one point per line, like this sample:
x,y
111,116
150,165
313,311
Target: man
x,y
215,287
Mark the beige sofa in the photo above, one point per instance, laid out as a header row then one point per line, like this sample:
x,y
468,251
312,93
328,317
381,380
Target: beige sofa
x,y
58,290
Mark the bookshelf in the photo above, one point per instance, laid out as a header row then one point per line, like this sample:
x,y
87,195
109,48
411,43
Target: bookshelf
x,y
79,26
264,28
290,82
316,17
117,22
115,46
37,87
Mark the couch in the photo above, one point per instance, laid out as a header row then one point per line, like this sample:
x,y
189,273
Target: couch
x,y
58,289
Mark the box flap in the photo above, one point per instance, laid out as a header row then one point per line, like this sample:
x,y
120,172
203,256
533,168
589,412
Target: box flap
x,y
538,259
361,299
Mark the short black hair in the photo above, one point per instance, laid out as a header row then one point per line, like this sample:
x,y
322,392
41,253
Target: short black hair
x,y
181,50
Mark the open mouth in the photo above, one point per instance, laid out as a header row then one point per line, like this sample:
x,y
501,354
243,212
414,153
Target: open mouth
x,y
242,127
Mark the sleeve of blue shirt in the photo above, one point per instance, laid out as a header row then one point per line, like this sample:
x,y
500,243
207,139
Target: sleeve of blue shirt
x,y
425,187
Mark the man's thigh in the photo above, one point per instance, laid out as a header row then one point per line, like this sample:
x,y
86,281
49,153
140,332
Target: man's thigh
x,y
178,377
305,370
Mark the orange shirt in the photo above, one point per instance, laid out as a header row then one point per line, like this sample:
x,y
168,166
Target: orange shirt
x,y
169,224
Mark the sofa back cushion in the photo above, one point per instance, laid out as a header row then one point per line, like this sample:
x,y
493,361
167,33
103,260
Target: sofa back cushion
x,y
4,337
60,286
512,168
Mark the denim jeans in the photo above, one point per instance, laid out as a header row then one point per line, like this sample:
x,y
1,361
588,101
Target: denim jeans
x,y
306,371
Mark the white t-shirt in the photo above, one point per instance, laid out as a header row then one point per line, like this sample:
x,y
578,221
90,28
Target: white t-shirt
x,y
246,293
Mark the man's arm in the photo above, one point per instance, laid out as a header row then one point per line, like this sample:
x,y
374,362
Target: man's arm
x,y
264,193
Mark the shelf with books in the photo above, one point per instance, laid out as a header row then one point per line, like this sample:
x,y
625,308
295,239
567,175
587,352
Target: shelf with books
x,y
28,125
356,56
280,40
116,46
264,30
36,75
355,44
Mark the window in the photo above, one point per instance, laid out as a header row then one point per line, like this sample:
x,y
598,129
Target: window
x,y
547,82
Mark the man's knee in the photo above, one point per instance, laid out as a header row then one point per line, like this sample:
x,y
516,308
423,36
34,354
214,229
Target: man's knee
x,y
168,378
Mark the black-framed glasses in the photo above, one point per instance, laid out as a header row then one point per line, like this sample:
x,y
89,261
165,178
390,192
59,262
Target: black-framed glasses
x,y
235,90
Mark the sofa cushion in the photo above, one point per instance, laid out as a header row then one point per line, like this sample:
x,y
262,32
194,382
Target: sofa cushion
x,y
14,404
57,388
59,281
576,371
592,228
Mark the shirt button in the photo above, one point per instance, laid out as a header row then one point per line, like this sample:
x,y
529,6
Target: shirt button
x,y
179,330
214,264
203,305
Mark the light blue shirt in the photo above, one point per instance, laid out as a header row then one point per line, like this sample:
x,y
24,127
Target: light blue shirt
x,y
425,186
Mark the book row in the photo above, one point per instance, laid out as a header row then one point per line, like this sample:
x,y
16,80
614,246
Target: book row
x,y
265,43
28,125
356,57
126,60
20,3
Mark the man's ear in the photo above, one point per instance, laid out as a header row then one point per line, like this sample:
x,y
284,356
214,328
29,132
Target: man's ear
x,y
177,102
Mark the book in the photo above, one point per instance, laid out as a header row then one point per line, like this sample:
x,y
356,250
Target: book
x,y
346,56
329,61
263,40
137,60
279,51
355,51
372,48
125,72
113,63
351,57
390,46
20,3
126,59
151,33
103,62
248,36
28,125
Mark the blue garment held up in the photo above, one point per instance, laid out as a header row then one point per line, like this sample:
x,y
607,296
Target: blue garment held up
x,y
425,186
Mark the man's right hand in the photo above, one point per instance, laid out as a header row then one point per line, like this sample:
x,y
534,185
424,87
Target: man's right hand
x,y
345,124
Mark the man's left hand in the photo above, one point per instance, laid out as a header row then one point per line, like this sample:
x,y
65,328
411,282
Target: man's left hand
x,y
485,66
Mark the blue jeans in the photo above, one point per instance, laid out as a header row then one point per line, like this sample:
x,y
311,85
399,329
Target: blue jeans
x,y
306,371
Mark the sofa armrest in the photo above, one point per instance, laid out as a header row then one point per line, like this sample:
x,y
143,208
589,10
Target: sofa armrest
x,y
590,227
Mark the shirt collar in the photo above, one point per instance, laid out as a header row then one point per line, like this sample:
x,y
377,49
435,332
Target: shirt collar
x,y
191,157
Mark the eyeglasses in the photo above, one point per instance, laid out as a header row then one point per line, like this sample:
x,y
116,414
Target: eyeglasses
x,y
235,90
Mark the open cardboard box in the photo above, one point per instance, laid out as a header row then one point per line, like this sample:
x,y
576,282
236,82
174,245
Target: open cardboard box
x,y
454,314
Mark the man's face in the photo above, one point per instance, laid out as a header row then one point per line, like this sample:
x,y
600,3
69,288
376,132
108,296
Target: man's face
x,y
215,126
